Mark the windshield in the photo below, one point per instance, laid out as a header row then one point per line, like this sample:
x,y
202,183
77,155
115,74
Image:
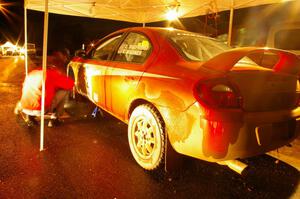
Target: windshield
x,y
195,47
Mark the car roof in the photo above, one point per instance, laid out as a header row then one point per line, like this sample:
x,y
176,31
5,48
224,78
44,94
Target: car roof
x,y
162,30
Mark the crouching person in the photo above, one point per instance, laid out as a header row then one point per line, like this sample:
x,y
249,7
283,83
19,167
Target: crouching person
x,y
57,88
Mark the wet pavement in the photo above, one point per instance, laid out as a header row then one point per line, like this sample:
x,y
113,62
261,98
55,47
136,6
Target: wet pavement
x,y
89,157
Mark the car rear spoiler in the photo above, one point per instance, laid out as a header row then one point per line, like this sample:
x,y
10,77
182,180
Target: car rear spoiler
x,y
287,61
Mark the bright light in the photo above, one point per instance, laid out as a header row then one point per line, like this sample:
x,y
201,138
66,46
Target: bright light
x,y
10,49
170,28
172,15
22,50
3,10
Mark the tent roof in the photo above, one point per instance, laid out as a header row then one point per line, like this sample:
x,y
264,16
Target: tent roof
x,y
140,11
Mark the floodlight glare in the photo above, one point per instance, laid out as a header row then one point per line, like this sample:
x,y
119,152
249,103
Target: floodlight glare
x,y
172,15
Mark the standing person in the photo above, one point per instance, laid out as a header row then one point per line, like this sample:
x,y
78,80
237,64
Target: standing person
x,y
57,88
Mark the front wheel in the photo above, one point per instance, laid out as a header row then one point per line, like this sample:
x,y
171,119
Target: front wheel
x,y
146,137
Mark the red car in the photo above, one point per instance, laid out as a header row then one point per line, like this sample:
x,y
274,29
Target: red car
x,y
206,100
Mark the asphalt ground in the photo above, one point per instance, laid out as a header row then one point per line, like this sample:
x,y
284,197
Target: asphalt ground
x,y
87,157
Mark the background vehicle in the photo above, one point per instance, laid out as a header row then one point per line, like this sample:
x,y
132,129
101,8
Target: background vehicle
x,y
280,35
191,93
8,49
284,36
31,50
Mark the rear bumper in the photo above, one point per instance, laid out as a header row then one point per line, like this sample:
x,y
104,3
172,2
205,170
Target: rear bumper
x,y
230,134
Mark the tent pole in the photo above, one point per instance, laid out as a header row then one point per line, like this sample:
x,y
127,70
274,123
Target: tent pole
x,y
230,23
25,38
45,42
144,24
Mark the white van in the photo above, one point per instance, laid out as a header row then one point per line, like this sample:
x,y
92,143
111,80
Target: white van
x,y
285,36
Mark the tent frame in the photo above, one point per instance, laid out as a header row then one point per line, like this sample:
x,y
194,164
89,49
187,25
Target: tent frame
x,y
230,23
44,64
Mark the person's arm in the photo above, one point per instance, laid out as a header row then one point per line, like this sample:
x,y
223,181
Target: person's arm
x,y
62,81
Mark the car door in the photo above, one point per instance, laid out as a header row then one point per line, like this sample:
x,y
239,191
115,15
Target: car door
x,y
130,61
94,69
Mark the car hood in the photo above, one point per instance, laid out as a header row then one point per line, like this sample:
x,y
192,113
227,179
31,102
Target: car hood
x,y
224,62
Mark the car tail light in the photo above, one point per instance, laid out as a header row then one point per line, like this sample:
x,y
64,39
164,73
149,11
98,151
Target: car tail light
x,y
218,95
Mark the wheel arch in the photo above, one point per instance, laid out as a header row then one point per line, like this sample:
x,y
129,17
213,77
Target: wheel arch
x,y
135,103
72,71
140,101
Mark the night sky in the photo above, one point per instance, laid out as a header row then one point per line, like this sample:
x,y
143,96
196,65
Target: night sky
x,y
72,32
11,20
64,31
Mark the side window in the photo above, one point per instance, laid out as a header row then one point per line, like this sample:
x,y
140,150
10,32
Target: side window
x,y
105,50
287,39
135,48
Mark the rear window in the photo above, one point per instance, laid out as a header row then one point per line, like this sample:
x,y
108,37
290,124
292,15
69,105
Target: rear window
x,y
288,39
196,47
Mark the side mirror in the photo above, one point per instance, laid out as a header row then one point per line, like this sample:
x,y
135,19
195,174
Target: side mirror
x,y
80,53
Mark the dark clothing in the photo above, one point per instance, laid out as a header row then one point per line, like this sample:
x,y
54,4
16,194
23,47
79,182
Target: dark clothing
x,y
58,102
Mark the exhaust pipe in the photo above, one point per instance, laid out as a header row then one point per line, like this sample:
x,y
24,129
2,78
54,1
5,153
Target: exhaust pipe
x,y
235,165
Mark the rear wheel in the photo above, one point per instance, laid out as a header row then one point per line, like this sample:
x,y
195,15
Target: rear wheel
x,y
146,137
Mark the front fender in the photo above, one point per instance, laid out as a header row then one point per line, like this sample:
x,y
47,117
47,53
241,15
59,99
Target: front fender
x,y
79,76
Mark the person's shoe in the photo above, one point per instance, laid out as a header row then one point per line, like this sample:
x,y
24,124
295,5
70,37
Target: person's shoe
x,y
30,121
18,108
50,123
54,122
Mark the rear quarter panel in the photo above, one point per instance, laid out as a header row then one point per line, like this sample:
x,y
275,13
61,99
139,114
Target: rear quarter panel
x,y
166,82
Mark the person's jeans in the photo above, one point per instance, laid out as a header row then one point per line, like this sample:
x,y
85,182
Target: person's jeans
x,y
58,102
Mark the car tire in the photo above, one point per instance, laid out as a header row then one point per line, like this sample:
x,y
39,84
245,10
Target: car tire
x,y
146,137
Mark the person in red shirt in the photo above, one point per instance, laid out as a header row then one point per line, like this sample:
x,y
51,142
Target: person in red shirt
x,y
57,88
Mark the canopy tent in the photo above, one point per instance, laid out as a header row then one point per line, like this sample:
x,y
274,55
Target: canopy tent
x,y
138,11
